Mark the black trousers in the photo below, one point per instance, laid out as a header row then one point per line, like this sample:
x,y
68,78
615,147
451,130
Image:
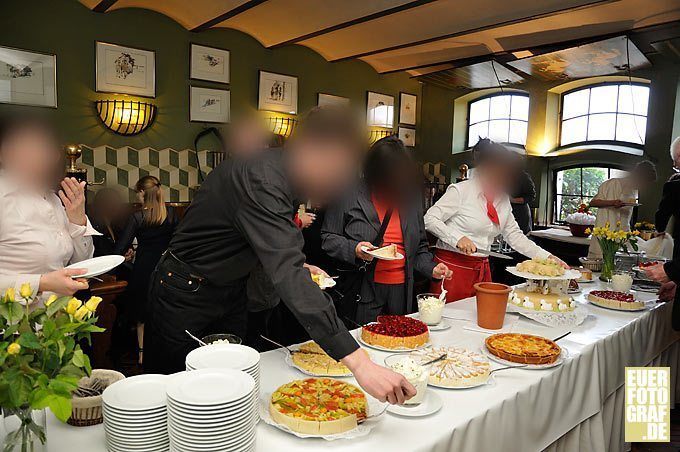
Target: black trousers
x,y
389,299
179,300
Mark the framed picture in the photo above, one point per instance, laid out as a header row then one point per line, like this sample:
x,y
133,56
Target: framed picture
x,y
209,105
380,110
209,63
278,92
28,78
125,70
407,136
330,99
407,108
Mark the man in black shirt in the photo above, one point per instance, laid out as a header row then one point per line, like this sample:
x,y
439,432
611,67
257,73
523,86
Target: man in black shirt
x,y
243,213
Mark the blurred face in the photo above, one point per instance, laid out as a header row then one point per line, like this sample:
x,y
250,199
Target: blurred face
x,y
496,177
31,156
247,139
321,170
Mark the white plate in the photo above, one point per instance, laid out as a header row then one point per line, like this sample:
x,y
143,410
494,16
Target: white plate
x,y
226,356
393,350
289,360
204,387
585,281
431,404
98,265
441,326
594,303
327,283
489,381
196,445
558,362
138,393
368,251
568,274
214,408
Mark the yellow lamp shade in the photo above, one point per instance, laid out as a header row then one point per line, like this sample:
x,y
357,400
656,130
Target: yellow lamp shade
x,y
125,117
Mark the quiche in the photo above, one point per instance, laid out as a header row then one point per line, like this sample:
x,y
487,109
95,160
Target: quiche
x,y
311,358
461,368
615,300
318,406
396,332
389,251
523,348
541,267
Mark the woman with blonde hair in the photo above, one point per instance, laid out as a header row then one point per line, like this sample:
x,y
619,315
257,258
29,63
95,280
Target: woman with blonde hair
x,y
152,226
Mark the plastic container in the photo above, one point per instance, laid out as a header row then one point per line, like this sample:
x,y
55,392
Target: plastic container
x,y
492,300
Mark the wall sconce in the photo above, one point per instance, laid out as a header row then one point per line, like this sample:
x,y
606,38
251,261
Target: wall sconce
x,y
376,134
125,117
280,125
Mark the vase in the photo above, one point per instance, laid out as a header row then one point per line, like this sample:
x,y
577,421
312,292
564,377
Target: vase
x,y
492,300
607,267
24,430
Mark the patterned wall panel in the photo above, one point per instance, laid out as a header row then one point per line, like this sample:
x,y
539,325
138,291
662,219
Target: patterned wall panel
x,y
437,173
120,168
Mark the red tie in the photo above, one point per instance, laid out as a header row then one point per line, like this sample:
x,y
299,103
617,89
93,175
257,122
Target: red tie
x,y
490,209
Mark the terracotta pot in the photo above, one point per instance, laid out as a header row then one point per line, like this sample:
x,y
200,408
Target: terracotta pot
x,y
579,230
492,299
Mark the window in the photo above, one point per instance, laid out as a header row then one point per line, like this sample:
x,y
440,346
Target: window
x,y
500,117
608,112
575,186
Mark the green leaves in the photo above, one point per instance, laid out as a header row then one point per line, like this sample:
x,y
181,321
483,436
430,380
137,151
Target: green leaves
x,y
60,406
57,305
12,312
29,340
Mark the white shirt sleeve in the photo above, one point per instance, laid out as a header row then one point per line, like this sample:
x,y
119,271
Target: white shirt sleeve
x,y
83,247
437,215
516,238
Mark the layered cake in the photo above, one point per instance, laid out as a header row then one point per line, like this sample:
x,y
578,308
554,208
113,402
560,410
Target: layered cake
x,y
311,358
543,295
615,300
395,332
541,267
318,406
523,348
389,251
461,368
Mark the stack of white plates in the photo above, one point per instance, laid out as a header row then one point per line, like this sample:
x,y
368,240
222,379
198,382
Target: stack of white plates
x,y
212,410
226,356
135,415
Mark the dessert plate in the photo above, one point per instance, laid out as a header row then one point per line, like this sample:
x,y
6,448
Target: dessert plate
x,y
594,303
568,274
327,283
377,256
489,381
441,326
558,362
205,387
98,265
393,350
228,356
430,405
139,393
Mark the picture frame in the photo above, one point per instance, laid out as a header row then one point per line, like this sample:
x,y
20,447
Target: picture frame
x,y
408,108
125,70
277,92
379,110
28,77
209,105
324,100
208,63
408,136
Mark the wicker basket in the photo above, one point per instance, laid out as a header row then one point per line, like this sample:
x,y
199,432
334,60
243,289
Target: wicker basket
x,y
594,265
87,411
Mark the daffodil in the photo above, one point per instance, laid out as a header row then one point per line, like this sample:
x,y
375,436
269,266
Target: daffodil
x,y
13,348
51,300
73,305
81,313
92,303
25,291
10,295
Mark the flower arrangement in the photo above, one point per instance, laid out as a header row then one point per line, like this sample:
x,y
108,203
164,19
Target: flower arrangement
x,y
646,229
580,220
611,241
41,360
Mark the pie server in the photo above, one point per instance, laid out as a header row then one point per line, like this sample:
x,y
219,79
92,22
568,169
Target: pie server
x,y
488,253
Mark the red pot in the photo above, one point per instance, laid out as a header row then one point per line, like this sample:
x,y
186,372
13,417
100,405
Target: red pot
x,y
492,300
579,230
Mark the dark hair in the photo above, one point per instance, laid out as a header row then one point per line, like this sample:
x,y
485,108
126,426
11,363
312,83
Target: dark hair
x,y
386,165
330,123
486,151
646,170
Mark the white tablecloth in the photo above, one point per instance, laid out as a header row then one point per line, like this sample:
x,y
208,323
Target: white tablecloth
x,y
560,235
573,407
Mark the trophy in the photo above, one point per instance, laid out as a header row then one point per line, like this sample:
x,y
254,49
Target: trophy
x,y
73,153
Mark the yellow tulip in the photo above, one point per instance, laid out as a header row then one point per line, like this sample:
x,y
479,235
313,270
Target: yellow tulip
x,y
13,348
73,305
50,300
82,313
588,231
92,303
25,291
10,295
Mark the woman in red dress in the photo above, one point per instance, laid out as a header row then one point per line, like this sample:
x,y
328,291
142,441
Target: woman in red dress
x,y
469,217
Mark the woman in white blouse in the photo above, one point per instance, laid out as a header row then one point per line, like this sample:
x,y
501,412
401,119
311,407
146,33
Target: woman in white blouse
x,y
39,235
469,217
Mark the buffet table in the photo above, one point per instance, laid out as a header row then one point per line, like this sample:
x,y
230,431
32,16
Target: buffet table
x,y
560,235
573,407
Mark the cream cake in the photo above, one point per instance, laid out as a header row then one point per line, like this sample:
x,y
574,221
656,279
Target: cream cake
x,y
461,368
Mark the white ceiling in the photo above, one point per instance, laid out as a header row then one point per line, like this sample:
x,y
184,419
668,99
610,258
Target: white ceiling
x,y
419,36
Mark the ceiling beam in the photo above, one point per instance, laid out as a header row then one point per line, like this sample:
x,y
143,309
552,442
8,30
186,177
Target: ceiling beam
x,y
228,15
103,6
476,30
358,20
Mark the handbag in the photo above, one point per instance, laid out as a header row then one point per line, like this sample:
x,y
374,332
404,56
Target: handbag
x,y
347,292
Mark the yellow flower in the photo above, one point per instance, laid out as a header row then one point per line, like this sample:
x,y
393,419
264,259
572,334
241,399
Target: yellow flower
x,y
81,313
588,231
73,305
10,295
50,300
92,303
25,291
13,348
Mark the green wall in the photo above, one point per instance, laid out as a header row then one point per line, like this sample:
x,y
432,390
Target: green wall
x,y
68,29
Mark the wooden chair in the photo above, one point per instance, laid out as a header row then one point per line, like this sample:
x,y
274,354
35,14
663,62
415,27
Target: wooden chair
x,y
108,290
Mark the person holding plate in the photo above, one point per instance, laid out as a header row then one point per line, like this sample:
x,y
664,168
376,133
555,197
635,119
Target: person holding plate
x,y
469,217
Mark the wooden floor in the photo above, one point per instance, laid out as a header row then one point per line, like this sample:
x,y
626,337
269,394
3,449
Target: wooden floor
x,y
674,445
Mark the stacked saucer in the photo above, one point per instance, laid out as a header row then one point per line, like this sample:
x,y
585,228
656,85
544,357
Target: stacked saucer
x,y
226,356
212,410
135,415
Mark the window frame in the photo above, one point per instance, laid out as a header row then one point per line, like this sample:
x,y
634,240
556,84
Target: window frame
x,y
581,166
616,113
509,118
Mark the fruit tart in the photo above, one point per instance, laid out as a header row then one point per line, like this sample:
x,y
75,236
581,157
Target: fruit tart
x,y
615,300
523,348
396,332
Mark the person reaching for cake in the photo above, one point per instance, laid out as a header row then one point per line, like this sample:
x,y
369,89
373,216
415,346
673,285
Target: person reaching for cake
x,y
470,215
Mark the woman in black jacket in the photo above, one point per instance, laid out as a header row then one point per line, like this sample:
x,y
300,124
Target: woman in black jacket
x,y
389,186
